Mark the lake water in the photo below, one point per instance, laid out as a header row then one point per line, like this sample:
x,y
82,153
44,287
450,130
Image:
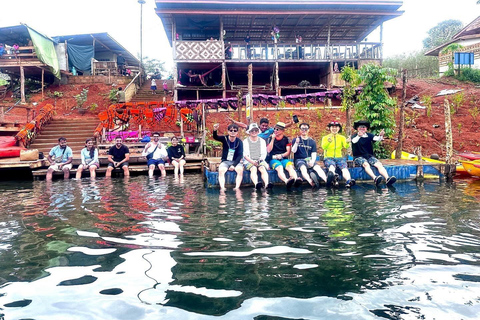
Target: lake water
x,y
140,248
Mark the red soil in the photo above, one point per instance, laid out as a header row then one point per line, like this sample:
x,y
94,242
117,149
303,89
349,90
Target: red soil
x,y
421,130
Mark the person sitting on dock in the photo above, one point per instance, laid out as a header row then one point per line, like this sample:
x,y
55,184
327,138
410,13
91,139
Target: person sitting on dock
x,y
118,156
266,130
60,159
232,154
362,148
89,156
305,156
279,148
155,152
176,154
333,145
254,153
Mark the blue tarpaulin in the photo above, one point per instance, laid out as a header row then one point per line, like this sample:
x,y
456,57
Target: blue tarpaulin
x,y
80,57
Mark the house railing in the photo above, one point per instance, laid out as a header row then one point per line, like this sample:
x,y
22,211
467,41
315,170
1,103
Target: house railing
x,y
214,50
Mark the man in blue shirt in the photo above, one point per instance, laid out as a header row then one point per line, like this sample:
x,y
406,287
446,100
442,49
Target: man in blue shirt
x,y
60,159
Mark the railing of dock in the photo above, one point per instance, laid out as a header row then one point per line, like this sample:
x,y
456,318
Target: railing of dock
x,y
27,134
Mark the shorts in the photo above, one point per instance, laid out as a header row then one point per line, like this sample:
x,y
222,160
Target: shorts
x,y
153,88
227,164
249,166
155,162
360,161
121,166
56,168
284,163
301,162
339,163
85,167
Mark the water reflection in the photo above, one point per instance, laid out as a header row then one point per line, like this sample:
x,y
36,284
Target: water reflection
x,y
139,248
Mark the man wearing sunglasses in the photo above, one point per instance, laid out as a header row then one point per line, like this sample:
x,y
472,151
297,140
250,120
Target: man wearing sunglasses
x,y
305,155
362,149
279,148
232,154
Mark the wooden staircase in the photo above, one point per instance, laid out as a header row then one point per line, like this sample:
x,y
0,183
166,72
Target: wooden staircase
x,y
145,94
75,130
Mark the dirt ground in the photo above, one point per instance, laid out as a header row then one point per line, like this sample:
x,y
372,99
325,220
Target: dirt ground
x,y
422,128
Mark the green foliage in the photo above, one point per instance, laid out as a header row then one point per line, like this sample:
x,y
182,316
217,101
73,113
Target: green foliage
x,y
427,101
469,74
375,105
350,76
3,82
457,100
474,112
58,94
441,33
452,48
81,98
417,64
112,96
309,105
282,104
411,119
319,114
93,107
459,127
213,144
151,65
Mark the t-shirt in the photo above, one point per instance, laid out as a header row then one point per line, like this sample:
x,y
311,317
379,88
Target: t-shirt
x,y
176,152
255,150
118,154
159,152
363,147
121,96
334,148
305,149
279,147
237,145
63,153
86,159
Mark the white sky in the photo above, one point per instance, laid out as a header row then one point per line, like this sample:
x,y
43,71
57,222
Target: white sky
x,y
121,19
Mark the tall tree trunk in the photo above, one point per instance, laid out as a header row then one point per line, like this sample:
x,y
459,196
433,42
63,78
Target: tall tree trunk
x,y
401,125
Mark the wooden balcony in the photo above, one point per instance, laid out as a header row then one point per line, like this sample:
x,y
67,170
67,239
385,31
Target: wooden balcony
x,y
25,56
212,50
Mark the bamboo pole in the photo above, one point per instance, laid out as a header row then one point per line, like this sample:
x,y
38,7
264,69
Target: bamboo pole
x,y
22,84
249,107
449,142
43,83
401,125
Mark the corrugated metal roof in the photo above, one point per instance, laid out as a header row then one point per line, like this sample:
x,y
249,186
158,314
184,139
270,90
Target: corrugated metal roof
x,y
348,20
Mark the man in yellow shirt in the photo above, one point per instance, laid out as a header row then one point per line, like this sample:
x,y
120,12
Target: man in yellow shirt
x,y
333,145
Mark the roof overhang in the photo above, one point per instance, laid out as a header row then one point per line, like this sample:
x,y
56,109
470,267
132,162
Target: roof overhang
x,y
103,43
347,20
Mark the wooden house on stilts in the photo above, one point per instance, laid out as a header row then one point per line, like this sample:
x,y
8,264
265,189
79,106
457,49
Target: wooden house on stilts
x,y
293,47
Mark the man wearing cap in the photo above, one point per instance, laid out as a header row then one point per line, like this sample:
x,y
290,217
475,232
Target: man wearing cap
x,y
232,154
266,130
279,148
60,159
254,153
305,155
333,145
362,148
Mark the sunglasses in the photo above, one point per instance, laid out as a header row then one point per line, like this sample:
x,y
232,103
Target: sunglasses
x,y
233,130
304,129
278,129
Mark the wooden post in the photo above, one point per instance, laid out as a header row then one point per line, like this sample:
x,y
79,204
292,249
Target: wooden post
x,y
204,137
43,83
277,80
139,132
449,142
419,176
401,125
224,80
249,106
2,114
22,84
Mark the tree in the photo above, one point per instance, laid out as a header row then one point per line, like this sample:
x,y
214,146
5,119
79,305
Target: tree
x,y
417,64
375,105
151,65
350,76
441,33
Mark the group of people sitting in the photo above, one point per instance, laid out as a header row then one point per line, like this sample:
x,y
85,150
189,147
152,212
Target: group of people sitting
x,y
267,147
157,154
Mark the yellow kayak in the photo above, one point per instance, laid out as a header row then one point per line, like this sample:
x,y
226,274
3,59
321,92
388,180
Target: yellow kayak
x,y
460,170
472,167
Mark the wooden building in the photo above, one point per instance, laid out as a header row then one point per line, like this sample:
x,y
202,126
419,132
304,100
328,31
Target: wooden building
x,y
294,47
469,40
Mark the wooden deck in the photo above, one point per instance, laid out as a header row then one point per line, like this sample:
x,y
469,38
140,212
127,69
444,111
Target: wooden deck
x,y
401,169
